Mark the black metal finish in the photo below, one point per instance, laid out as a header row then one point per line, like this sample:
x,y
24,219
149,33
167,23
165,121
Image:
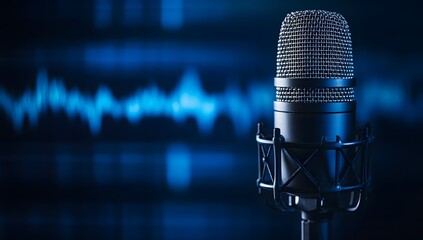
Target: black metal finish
x,y
345,191
323,194
335,121
337,107
315,226
314,82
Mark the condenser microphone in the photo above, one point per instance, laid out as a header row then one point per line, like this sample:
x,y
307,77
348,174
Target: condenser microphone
x,y
319,162
314,88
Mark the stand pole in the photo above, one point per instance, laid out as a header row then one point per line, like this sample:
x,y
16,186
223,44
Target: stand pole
x,y
315,226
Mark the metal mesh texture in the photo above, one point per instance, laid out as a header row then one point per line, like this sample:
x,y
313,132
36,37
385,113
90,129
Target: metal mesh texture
x,y
314,44
314,95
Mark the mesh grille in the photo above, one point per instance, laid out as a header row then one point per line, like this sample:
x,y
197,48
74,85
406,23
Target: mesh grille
x,y
314,44
314,95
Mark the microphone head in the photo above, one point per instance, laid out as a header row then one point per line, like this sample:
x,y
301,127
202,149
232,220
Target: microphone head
x,y
314,44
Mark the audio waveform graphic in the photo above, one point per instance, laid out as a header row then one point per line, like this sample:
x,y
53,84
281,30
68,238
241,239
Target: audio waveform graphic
x,y
187,100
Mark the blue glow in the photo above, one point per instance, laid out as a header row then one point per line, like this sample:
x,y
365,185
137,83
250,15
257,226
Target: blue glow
x,y
70,167
180,219
172,14
64,165
187,100
198,220
178,167
386,98
132,167
130,163
134,221
132,12
105,168
212,10
217,165
66,225
134,55
103,13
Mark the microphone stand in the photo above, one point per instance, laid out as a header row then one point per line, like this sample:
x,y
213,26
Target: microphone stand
x,y
315,225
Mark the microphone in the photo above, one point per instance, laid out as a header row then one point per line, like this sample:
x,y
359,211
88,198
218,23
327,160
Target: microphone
x,y
319,163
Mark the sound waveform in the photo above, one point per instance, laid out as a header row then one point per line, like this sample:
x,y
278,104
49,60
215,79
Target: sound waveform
x,y
187,100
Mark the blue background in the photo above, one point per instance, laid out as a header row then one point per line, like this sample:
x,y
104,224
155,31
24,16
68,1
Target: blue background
x,y
136,119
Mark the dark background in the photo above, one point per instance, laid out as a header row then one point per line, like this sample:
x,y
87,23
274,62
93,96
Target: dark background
x,y
186,168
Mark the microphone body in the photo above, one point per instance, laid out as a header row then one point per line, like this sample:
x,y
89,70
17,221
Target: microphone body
x,y
303,122
314,93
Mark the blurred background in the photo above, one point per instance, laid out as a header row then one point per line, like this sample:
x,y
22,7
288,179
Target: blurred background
x,y
136,119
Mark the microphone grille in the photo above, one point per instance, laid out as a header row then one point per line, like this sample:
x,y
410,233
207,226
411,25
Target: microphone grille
x,y
314,95
314,44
